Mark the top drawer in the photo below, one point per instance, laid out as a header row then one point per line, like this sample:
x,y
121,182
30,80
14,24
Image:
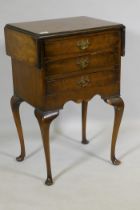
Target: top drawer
x,y
96,42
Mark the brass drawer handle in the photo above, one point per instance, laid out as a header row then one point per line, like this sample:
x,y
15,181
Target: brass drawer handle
x,y
83,62
83,44
84,81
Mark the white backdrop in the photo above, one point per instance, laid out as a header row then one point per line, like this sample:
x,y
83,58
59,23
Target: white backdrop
x,y
76,186
126,12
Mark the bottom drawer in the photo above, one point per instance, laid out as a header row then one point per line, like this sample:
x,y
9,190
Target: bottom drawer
x,y
92,81
79,88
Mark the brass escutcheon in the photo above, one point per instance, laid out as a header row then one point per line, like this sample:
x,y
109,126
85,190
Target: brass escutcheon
x,y
84,81
83,62
83,44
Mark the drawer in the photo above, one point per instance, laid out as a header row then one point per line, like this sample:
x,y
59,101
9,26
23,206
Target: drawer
x,y
95,42
84,82
89,62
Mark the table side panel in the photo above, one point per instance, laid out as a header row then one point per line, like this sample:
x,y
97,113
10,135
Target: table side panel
x,y
29,83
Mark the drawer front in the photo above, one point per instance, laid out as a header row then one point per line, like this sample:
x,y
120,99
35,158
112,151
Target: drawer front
x,y
92,82
82,43
88,62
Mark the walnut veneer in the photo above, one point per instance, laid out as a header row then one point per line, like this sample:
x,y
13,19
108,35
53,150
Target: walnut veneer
x,y
55,61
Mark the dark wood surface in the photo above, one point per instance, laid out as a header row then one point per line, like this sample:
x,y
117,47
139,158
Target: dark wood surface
x,y
97,42
55,61
62,25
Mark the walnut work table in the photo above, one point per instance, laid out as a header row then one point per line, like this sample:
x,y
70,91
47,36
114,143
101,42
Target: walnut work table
x,y
55,61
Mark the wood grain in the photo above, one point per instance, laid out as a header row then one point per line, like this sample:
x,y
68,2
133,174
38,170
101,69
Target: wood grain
x,y
95,62
97,42
70,59
21,46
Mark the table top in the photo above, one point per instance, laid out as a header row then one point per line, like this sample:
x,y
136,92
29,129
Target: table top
x,y
43,28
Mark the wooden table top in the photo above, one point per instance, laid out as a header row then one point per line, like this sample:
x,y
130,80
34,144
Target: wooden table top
x,y
63,25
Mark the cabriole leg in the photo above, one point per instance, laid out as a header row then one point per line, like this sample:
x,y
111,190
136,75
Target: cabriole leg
x,y
118,105
44,120
15,104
